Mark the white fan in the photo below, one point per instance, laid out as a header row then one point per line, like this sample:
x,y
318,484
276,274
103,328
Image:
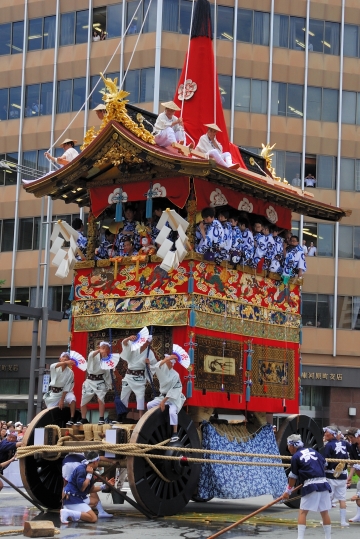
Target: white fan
x,y
110,362
183,357
79,360
141,339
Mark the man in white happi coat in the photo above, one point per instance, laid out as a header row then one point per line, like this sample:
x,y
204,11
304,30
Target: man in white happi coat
x,y
168,128
62,385
171,394
98,382
213,149
135,377
69,153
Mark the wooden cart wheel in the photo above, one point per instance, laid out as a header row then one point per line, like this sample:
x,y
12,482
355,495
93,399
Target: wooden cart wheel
x,y
160,497
42,478
311,435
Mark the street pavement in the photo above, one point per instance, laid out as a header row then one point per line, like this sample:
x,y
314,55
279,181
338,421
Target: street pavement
x,y
197,521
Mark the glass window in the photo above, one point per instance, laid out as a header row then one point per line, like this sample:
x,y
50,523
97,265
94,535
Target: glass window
x,y
329,111
46,97
308,304
313,103
96,97
132,85
168,83
357,175
11,177
36,239
344,312
82,26
7,237
295,228
346,241
26,228
22,297
225,90
147,85
310,233
5,296
150,23
278,99
351,40
325,245
79,93
64,96
32,107
10,386
324,311
292,165
225,23
113,21
67,28
242,94
357,242
24,386
15,102
5,39
281,31
4,96
358,110
316,35
185,16
99,29
332,38
259,91
295,100
136,21
347,174
35,34
261,28
170,21
29,161
326,171
244,25
17,37
49,32
349,107
297,33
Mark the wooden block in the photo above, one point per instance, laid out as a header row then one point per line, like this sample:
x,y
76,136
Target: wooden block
x,y
198,154
41,528
184,150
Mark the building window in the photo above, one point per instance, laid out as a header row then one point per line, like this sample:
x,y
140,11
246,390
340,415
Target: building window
x,y
4,103
22,297
67,28
168,82
326,171
32,105
8,177
113,21
140,84
7,235
351,40
225,22
322,104
325,243
225,90
71,94
289,32
136,22
5,39
324,37
5,296
253,27
35,34
245,25
251,95
351,108
287,99
317,310
345,313
14,102
49,32
96,97
17,37
82,26
346,242
79,93
11,38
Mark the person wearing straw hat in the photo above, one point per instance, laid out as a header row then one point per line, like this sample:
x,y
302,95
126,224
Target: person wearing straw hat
x,y
211,147
168,128
100,110
69,153
61,386
336,473
308,466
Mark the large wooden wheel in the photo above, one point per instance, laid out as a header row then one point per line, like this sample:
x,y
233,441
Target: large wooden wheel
x,y
311,435
42,478
160,497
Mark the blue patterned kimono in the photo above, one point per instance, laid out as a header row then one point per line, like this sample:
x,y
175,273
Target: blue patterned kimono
x,y
227,240
277,262
294,260
104,248
264,249
129,226
82,244
214,239
248,246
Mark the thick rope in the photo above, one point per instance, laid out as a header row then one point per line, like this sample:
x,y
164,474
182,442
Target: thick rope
x,y
21,531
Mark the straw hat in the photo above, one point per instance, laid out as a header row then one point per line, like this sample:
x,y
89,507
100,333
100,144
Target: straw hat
x,y
100,106
213,126
68,141
170,105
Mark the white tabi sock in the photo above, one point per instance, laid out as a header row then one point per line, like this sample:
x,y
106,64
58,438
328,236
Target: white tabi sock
x,y
101,511
301,531
343,518
74,515
356,518
327,531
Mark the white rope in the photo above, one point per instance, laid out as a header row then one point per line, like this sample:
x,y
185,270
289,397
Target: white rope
x,y
136,43
187,58
215,53
98,82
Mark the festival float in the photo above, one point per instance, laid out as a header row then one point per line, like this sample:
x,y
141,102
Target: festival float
x,y
241,327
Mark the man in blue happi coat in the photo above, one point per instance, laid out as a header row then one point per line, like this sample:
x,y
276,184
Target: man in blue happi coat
x,y
308,467
336,473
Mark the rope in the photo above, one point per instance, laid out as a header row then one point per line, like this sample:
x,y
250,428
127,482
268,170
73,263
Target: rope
x,y
98,82
141,450
21,531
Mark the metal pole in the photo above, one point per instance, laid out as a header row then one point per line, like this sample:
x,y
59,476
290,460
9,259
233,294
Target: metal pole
x,y
3,478
271,52
44,326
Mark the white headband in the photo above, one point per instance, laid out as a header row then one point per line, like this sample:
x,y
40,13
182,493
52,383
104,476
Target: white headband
x,y
91,460
295,443
104,343
330,430
65,354
357,433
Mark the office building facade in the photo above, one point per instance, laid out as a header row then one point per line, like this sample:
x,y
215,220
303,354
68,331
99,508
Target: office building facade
x,y
288,73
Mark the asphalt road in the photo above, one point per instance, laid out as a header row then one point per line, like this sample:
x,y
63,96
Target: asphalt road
x,y
198,521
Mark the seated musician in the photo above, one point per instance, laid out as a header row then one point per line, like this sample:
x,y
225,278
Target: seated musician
x,y
106,248
212,148
295,263
168,128
129,249
209,236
